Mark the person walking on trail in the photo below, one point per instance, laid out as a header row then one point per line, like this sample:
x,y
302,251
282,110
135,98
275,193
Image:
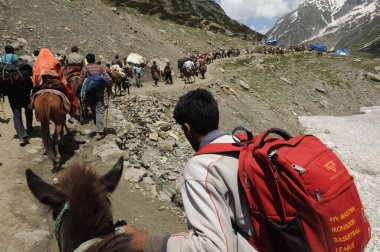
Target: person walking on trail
x,y
74,57
189,64
10,56
155,71
138,72
95,96
180,66
217,211
48,74
168,74
117,61
19,98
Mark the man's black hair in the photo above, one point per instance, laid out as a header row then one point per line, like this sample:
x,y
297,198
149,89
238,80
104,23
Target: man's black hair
x,y
74,49
36,52
117,56
199,109
9,49
90,58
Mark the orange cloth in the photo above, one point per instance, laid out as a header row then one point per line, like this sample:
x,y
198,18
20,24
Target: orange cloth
x,y
47,64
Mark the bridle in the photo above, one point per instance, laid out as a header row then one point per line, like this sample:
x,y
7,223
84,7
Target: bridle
x,y
59,219
118,229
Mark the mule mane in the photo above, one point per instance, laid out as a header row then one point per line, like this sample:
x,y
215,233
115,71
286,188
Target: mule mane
x,y
90,207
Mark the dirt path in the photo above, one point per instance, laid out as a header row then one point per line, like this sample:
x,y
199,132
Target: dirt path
x,y
178,83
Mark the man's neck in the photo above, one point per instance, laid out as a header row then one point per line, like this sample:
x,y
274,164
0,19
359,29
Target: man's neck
x,y
210,137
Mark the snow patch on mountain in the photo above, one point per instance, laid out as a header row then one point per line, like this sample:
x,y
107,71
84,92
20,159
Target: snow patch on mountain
x,y
354,17
332,22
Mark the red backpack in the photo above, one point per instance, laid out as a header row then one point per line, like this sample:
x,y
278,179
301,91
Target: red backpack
x,y
301,196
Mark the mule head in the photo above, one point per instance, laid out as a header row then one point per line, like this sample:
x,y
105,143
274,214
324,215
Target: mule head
x,y
79,203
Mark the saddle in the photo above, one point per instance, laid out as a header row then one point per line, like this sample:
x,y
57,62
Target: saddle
x,y
42,91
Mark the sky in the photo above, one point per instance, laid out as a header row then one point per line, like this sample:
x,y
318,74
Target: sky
x,y
260,15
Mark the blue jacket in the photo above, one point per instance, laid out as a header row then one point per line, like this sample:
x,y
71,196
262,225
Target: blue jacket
x,y
9,58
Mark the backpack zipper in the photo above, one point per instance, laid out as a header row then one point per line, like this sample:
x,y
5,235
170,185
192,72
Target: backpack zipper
x,y
277,175
298,168
272,158
318,195
246,181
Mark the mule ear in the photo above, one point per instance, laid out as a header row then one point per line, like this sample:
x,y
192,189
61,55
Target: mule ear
x,y
111,178
44,192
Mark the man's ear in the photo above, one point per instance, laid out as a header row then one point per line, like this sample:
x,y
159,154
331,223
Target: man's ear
x,y
112,178
186,128
44,192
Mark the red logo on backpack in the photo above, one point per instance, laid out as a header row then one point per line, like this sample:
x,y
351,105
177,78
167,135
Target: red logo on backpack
x,y
296,201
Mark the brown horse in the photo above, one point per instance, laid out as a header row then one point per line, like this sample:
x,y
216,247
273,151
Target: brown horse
x,y
81,208
188,74
48,107
202,70
117,80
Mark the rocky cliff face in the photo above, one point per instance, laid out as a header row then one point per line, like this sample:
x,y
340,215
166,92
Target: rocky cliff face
x,y
349,23
205,14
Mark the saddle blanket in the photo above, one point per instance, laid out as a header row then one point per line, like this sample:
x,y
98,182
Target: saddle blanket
x,y
66,102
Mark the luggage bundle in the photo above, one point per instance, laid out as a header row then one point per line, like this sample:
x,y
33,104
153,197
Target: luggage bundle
x,y
15,76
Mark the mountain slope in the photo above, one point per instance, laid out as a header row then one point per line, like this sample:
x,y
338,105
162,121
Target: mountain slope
x,y
95,27
348,23
205,14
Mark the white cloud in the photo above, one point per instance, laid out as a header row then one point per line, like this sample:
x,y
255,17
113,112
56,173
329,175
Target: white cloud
x,y
244,9
263,30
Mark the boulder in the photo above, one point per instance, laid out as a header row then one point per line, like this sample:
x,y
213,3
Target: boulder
x,y
244,85
148,181
108,152
134,175
153,136
320,88
372,76
377,69
286,81
165,145
17,45
22,41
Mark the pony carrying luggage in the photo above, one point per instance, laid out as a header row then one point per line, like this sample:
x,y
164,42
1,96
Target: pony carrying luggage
x,y
301,196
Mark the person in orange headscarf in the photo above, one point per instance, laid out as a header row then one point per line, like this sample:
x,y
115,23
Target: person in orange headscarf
x,y
47,72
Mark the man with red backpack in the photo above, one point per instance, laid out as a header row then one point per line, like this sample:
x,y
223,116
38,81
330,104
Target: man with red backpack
x,y
246,192
216,208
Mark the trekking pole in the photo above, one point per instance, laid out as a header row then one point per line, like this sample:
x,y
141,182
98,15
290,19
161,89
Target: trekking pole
x,y
108,103
2,107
